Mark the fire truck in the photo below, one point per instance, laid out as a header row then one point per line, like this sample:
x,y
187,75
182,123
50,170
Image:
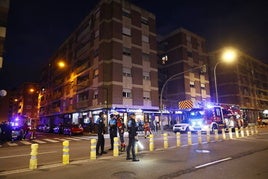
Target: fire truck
x,y
214,117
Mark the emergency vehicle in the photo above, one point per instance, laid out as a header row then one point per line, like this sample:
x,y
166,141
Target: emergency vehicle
x,y
211,117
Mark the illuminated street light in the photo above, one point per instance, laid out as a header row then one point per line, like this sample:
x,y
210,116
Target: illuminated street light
x,y
228,56
61,64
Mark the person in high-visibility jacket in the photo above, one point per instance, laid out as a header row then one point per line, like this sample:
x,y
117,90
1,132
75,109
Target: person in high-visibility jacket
x,y
147,128
121,130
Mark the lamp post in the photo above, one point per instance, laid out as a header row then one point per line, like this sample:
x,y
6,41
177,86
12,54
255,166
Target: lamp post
x,y
228,56
164,85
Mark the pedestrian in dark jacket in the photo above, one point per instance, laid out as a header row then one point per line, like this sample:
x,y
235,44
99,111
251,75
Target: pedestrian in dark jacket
x,y
112,129
101,132
132,133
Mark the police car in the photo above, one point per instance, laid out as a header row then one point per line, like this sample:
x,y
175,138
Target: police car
x,y
183,126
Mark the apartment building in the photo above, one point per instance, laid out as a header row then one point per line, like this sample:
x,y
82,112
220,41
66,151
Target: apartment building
x,y
183,55
111,65
4,8
243,82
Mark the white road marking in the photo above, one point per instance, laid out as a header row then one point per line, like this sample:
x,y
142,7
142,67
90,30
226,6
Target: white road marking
x,y
23,155
25,142
71,138
39,141
51,140
59,139
11,144
214,162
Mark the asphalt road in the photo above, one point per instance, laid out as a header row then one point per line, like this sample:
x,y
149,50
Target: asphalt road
x,y
237,158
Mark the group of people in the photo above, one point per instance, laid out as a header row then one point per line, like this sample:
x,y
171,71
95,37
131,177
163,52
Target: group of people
x,y
116,125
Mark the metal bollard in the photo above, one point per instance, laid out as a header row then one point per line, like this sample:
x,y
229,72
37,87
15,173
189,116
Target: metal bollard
x,y
33,160
165,140
208,136
189,137
216,134
65,150
236,133
93,143
199,137
247,131
223,134
151,142
116,145
230,133
242,132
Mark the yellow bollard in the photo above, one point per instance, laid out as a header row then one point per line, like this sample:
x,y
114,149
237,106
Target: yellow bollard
x,y
223,134
65,150
165,140
242,132
151,142
256,130
247,131
33,160
199,137
230,133
178,137
236,133
216,134
93,143
189,137
252,131
116,149
208,136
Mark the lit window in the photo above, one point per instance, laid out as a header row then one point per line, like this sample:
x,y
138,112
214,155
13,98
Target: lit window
x,y
203,86
164,59
96,94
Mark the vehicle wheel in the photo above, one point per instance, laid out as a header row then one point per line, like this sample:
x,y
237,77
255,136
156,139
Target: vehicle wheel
x,y
214,127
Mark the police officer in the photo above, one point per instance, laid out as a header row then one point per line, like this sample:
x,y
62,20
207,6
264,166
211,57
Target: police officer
x,y
132,130
101,131
112,129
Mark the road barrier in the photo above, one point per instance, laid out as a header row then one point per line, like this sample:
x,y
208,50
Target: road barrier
x,y
93,143
189,137
165,136
151,142
33,159
116,147
65,150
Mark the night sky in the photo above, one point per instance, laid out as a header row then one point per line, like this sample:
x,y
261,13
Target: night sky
x,y
36,28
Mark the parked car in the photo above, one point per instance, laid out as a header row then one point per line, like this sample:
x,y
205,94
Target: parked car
x,y
16,133
183,126
73,129
59,129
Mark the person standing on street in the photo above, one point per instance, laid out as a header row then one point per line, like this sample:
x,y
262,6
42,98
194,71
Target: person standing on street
x,y
101,131
113,129
132,130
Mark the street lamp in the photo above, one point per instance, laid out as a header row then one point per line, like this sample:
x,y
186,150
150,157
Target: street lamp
x,y
228,56
162,90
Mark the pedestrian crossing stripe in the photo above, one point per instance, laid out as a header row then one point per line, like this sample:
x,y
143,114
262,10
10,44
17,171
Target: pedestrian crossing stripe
x,y
71,138
39,141
26,142
11,144
51,140
60,139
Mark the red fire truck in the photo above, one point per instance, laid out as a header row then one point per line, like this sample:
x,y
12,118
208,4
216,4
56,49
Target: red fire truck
x,y
214,117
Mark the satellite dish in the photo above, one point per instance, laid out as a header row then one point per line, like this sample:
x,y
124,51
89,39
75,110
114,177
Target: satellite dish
x,y
3,92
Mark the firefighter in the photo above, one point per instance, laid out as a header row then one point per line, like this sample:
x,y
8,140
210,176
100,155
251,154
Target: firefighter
x,y
146,128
